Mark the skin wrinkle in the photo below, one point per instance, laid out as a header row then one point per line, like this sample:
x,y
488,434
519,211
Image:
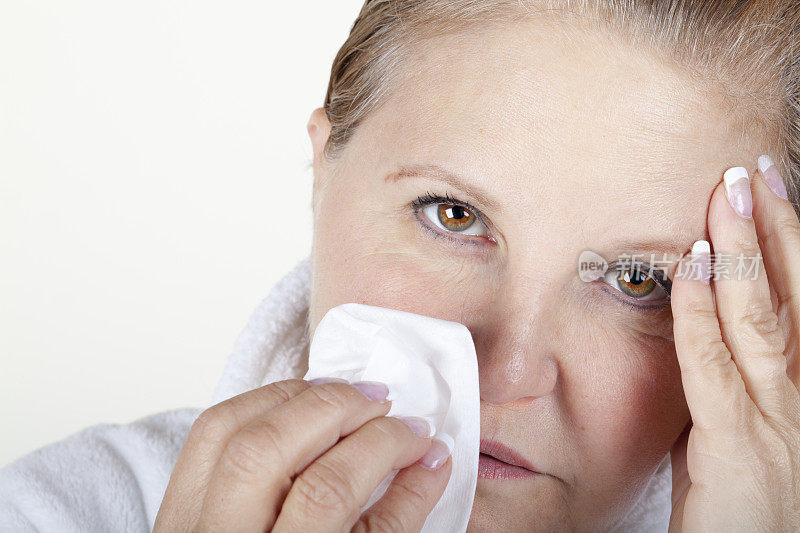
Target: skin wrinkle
x,y
570,377
643,149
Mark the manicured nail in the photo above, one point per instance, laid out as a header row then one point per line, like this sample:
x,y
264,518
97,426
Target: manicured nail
x,y
440,450
737,185
772,176
374,390
701,257
420,426
392,396
318,381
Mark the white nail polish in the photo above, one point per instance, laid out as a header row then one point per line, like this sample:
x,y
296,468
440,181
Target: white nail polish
x,y
772,176
701,258
392,393
737,188
732,175
764,162
432,425
701,247
448,441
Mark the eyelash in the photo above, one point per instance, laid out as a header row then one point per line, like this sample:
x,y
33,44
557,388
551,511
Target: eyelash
x,y
428,199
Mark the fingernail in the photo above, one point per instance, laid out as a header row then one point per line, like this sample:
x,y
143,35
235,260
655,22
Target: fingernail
x,y
420,426
374,390
772,176
701,256
440,450
318,381
737,185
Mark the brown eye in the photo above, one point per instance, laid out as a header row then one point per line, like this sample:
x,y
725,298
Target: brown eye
x,y
635,282
451,218
455,217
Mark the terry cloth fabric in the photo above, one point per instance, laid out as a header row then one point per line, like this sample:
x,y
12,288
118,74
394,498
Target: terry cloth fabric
x,y
112,477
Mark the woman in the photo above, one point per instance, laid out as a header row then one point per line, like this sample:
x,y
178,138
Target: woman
x,y
467,153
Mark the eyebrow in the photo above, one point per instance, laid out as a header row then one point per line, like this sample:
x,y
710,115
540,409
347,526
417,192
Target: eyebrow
x,y
439,173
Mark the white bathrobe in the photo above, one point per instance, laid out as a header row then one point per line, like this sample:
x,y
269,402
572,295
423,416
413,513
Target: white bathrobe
x,y
112,477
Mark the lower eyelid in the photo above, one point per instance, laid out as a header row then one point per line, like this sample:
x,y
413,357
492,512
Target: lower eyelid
x,y
468,248
440,233
653,308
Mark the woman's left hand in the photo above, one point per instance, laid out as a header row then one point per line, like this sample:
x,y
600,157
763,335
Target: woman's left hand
x,y
736,466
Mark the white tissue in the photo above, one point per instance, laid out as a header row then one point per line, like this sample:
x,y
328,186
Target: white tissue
x,y
431,365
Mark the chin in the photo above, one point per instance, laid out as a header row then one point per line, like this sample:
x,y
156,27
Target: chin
x,y
509,505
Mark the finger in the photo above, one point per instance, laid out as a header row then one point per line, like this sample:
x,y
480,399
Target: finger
x,y
779,231
329,494
208,436
749,325
680,478
408,501
712,384
256,469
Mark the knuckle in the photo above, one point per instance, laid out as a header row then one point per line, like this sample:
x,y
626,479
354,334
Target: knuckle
x,y
211,426
418,498
747,245
701,310
232,407
323,489
388,428
759,325
242,458
760,318
254,449
385,521
283,391
217,422
331,396
713,355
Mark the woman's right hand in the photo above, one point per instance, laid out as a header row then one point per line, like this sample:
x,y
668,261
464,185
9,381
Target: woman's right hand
x,y
290,456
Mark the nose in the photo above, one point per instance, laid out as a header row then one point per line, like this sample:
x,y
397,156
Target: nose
x,y
516,343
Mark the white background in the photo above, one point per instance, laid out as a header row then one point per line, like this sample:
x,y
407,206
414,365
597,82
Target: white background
x,y
153,187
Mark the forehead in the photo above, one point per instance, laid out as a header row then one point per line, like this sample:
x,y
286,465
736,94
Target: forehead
x,y
549,108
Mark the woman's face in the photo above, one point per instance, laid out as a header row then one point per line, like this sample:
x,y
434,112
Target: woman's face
x,y
557,146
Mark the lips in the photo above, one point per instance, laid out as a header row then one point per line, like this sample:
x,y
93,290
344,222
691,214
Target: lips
x,y
498,461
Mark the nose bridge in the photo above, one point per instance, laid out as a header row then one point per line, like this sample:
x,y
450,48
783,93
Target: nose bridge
x,y
515,346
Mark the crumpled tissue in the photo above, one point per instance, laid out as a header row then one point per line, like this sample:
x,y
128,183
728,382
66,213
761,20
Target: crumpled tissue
x,y
431,365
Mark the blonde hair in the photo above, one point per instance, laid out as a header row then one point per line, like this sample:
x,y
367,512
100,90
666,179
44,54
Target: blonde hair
x,y
745,50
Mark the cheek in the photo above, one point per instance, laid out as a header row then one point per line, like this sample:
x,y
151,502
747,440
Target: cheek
x,y
398,275
627,401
